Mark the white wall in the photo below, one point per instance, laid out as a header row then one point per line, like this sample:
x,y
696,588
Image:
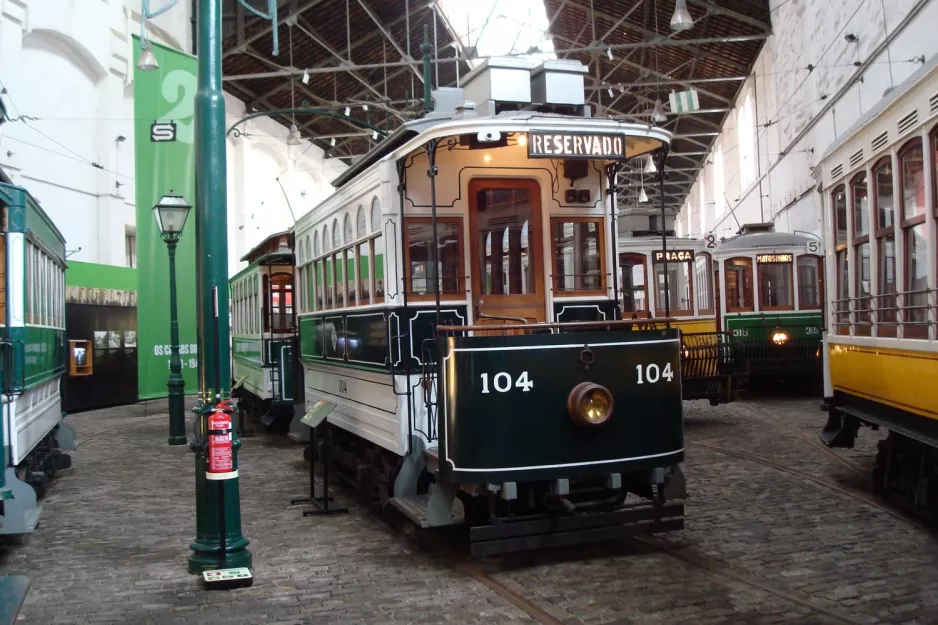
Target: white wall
x,y
783,100
69,65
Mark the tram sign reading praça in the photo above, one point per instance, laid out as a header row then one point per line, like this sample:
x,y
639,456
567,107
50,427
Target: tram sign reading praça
x,y
674,256
575,145
773,258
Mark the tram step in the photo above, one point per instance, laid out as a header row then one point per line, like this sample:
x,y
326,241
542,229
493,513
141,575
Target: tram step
x,y
579,529
415,509
432,457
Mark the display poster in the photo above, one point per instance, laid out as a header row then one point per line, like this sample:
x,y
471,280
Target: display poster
x,y
164,150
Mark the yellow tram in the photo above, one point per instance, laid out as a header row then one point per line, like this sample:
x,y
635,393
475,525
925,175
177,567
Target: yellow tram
x,y
708,366
881,346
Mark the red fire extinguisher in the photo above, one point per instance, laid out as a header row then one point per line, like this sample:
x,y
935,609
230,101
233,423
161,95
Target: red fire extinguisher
x,y
219,441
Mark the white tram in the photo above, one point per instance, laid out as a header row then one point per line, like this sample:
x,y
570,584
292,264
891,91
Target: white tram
x,y
458,317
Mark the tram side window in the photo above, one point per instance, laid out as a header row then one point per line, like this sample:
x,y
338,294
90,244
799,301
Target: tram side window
x,y
739,285
885,231
809,283
578,254
632,279
914,300
703,272
680,289
842,301
418,236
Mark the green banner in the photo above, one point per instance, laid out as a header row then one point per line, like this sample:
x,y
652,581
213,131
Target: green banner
x,y
164,127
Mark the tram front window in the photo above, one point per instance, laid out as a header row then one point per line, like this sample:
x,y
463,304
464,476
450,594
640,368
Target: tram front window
x,y
503,218
577,245
420,242
775,288
738,285
632,278
680,290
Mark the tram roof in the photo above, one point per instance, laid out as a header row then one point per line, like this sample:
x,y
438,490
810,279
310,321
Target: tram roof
x,y
509,121
762,239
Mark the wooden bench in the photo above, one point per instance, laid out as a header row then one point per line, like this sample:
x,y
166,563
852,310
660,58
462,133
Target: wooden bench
x,y
13,589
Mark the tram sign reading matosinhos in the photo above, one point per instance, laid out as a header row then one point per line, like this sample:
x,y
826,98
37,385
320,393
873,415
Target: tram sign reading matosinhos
x,y
575,145
674,256
774,258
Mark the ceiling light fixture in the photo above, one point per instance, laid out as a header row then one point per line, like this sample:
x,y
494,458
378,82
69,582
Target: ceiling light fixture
x,y
681,20
305,78
147,61
658,115
293,138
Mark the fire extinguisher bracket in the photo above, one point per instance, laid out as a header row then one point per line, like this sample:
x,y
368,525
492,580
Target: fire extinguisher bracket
x,y
230,475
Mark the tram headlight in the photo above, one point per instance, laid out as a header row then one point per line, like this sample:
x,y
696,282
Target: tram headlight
x,y
590,404
780,338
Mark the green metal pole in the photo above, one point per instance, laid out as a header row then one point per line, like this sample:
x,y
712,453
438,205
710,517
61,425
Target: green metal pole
x,y
176,383
212,273
425,51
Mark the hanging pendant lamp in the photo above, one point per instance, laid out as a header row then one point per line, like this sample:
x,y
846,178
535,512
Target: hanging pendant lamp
x,y
681,20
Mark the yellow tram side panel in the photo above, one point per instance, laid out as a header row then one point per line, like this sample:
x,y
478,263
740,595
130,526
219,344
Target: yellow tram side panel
x,y
903,379
693,326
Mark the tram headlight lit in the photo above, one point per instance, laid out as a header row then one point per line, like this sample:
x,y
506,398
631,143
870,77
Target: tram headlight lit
x,y
780,338
590,404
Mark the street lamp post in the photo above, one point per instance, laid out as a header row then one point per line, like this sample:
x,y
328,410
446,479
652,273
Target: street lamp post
x,y
171,213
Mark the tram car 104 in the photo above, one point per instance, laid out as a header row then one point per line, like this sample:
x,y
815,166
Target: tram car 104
x,y
264,331
769,299
458,315
880,218
32,358
707,359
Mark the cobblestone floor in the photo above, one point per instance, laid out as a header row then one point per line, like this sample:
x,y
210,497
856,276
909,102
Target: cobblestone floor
x,y
761,545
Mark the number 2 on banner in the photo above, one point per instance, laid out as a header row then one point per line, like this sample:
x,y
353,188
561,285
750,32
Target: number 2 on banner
x,y
502,382
653,373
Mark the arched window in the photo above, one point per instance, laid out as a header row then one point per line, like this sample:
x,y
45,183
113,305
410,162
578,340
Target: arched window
x,y
349,233
336,234
316,251
325,239
810,282
884,209
703,279
861,247
842,299
914,302
738,283
375,215
633,278
361,223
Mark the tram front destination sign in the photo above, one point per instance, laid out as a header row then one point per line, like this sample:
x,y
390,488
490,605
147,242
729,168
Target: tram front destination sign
x,y
575,145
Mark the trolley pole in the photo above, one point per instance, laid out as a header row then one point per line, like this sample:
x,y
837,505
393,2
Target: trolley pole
x,y
209,551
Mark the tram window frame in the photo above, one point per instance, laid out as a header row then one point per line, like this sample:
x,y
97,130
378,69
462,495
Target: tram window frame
x,y
841,305
860,192
884,302
819,294
910,302
460,278
748,287
282,308
708,276
761,268
559,289
643,260
685,266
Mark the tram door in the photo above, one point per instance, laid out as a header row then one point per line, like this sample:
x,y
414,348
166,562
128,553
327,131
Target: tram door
x,y
505,244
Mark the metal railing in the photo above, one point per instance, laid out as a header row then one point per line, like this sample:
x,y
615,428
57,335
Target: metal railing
x,y
903,314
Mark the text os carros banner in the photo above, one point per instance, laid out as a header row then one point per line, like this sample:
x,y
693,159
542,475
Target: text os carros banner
x,y
164,127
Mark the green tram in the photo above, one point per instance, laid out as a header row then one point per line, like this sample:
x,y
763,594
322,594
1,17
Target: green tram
x,y
769,300
263,330
32,358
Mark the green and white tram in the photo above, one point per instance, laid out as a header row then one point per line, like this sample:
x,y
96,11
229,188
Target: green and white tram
x,y
32,357
263,330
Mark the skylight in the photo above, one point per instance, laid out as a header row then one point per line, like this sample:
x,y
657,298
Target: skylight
x,y
487,28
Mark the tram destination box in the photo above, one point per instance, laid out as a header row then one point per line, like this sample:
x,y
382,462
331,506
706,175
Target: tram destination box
x,y
503,405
